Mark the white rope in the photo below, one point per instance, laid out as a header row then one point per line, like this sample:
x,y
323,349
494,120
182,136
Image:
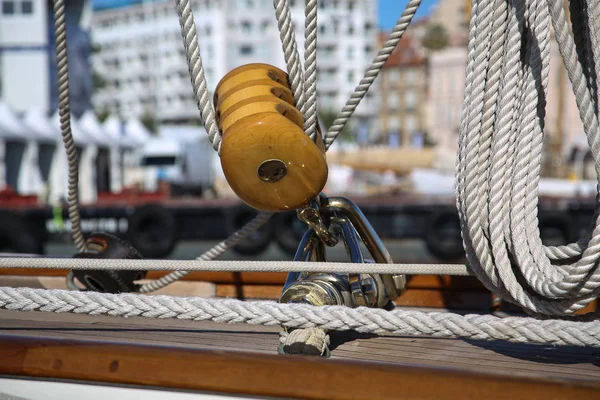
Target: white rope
x,y
236,266
196,70
310,69
60,32
287,34
362,319
307,341
211,254
500,149
372,72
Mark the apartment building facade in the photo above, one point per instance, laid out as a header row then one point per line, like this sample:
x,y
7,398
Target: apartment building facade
x,y
402,117
140,55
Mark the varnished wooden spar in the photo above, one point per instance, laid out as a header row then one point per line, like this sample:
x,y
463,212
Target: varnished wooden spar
x,y
265,375
267,159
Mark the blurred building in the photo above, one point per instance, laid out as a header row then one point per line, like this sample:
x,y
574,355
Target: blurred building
x,y
454,17
141,59
446,88
28,75
403,94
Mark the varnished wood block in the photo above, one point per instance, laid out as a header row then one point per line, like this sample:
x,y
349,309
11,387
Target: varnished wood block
x,y
252,89
250,72
256,139
264,104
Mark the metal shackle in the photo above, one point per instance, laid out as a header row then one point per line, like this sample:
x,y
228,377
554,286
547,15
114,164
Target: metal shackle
x,y
345,222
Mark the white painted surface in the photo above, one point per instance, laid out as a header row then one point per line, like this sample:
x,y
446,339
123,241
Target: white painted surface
x,y
46,390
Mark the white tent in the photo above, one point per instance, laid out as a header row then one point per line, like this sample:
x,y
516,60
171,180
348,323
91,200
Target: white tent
x,y
108,159
19,154
87,150
135,134
113,129
48,143
135,130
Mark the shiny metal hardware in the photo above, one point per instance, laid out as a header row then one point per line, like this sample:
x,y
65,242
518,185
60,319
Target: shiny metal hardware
x,y
394,284
343,221
311,217
272,170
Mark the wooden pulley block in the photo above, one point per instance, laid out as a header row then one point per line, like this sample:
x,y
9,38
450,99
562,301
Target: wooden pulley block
x,y
250,72
251,89
257,105
268,160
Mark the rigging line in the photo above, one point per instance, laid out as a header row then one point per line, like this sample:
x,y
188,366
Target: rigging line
x,y
196,71
310,69
339,318
230,266
64,112
287,35
372,72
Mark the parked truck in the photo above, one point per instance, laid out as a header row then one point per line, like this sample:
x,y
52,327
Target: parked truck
x,y
181,156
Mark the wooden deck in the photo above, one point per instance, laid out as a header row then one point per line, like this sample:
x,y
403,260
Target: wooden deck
x,y
570,368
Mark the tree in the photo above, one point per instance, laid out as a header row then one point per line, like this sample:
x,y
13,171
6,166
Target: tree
x,y
327,116
102,115
98,81
149,122
436,37
428,140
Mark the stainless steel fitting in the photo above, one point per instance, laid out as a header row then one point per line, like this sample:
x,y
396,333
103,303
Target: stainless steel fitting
x,y
340,220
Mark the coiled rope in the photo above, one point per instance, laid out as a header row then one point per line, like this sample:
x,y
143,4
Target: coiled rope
x,y
500,151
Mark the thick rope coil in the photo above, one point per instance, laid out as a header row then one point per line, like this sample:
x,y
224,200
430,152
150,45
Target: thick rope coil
x,y
64,112
500,150
211,254
372,72
196,70
362,319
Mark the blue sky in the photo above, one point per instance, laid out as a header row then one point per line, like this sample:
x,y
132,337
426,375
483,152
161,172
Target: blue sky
x,y
390,10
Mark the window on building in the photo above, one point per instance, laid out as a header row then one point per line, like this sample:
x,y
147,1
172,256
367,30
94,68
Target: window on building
x,y
368,50
292,3
208,30
410,123
394,76
322,29
246,50
350,29
393,124
411,76
265,26
410,99
351,5
246,27
336,25
350,76
350,53
27,7
393,101
245,3
8,7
